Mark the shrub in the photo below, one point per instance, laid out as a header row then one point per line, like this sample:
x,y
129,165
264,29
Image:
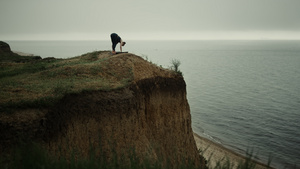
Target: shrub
x,y
175,66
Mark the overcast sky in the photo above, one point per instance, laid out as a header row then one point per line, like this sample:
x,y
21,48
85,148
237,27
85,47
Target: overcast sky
x,y
149,19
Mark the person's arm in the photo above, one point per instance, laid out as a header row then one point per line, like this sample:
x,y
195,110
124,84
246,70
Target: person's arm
x,y
121,45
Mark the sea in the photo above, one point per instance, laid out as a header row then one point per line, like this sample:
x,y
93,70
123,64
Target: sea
x,y
244,95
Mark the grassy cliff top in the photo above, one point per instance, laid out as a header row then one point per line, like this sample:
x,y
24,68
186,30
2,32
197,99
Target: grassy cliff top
x,y
39,83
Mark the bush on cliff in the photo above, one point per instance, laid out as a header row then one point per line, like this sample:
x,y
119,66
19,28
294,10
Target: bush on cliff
x,y
175,66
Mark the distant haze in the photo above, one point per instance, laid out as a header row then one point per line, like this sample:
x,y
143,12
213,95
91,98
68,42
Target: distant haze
x,y
149,19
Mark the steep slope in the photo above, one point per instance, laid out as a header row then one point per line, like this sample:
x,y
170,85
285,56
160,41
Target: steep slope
x,y
143,108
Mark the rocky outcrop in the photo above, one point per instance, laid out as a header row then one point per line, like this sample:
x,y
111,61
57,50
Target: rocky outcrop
x,y
151,116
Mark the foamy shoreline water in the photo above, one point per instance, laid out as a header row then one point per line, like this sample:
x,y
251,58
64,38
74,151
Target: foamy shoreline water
x,y
215,153
23,54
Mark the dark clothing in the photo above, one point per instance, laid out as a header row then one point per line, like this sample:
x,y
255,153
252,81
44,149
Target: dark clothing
x,y
115,39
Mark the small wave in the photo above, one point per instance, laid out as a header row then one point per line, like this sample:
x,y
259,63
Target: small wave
x,y
212,138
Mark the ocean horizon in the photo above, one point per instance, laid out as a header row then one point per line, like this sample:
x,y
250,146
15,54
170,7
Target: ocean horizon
x,y
244,95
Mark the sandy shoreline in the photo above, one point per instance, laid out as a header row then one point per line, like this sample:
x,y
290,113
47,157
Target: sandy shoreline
x,y
23,54
217,153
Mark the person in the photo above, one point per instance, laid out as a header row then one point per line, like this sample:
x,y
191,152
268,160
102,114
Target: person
x,y
115,39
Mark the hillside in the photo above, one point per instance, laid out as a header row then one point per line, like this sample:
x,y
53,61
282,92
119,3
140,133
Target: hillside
x,y
114,103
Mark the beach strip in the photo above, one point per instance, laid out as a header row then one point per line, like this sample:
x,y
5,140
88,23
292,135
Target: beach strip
x,y
215,153
23,54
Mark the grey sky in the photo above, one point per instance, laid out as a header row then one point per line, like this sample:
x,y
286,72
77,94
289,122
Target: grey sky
x,y
149,19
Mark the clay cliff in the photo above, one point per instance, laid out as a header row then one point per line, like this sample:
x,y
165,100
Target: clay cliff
x,y
150,115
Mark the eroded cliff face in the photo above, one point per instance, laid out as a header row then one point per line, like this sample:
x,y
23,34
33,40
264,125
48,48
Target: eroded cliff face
x,y
150,116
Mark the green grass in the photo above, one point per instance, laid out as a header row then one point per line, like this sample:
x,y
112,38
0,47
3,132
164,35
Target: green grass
x,y
13,69
44,81
8,57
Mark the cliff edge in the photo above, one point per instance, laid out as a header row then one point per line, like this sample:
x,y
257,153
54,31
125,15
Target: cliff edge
x,y
111,103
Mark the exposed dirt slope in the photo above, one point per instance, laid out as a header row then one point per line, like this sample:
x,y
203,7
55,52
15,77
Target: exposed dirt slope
x,y
150,114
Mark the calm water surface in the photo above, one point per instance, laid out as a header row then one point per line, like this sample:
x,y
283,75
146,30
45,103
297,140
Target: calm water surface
x,y
242,94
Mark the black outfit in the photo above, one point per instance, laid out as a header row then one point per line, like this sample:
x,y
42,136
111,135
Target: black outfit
x,y
115,39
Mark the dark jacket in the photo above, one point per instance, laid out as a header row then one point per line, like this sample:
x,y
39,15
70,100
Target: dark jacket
x,y
115,39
